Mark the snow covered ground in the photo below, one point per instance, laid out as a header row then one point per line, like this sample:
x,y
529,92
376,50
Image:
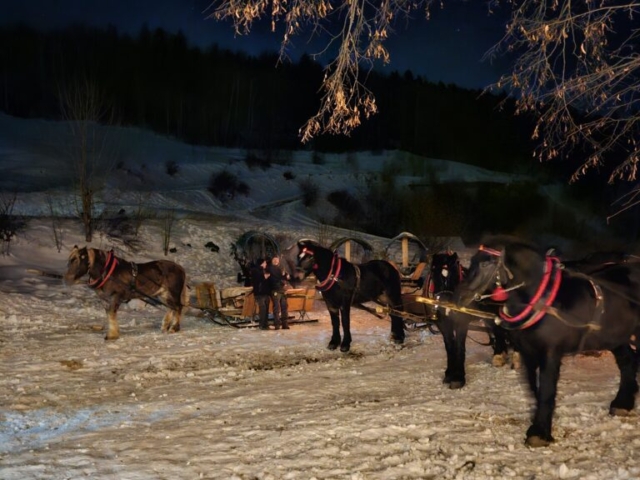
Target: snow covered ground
x,y
220,402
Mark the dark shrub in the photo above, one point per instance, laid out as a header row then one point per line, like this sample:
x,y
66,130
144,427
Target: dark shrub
x,y
288,175
310,192
225,185
253,161
317,158
171,168
212,246
348,205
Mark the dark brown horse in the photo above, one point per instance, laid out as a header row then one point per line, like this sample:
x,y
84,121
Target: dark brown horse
x,y
117,281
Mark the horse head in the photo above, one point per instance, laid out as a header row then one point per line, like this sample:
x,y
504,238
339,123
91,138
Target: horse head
x,y
500,265
301,259
80,262
445,272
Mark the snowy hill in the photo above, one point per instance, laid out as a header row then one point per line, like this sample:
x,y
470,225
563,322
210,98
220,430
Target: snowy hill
x,y
32,162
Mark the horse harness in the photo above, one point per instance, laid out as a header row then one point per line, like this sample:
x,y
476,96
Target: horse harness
x,y
108,268
542,302
333,276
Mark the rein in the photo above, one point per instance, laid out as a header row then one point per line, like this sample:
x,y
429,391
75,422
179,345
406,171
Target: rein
x,y
107,270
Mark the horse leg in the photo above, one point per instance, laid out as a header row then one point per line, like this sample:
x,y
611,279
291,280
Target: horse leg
x,y
397,329
397,322
539,433
458,377
445,325
174,323
346,328
113,332
531,365
516,360
625,398
166,321
177,315
499,345
335,325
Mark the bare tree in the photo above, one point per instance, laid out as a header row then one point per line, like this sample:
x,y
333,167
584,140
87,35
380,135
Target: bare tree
x,y
84,106
167,222
55,217
577,68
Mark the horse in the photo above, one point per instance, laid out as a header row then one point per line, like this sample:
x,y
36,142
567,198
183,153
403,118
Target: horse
x,y
344,284
445,274
551,312
118,281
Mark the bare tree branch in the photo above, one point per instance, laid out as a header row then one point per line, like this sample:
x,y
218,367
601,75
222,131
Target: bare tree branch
x,y
577,69
359,28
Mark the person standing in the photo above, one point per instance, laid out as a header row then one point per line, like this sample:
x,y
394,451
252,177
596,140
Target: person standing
x,y
261,291
278,281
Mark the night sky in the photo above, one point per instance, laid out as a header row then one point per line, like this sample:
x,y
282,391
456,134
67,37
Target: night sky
x,y
447,48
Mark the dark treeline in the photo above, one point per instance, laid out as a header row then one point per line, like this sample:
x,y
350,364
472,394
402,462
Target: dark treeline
x,y
217,97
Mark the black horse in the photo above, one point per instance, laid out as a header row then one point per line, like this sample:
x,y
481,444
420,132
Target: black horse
x,y
552,312
344,284
445,274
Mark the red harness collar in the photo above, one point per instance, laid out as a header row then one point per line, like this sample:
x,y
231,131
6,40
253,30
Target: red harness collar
x,y
528,317
332,277
107,270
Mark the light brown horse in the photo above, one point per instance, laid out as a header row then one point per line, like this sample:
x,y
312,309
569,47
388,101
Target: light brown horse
x,y
117,281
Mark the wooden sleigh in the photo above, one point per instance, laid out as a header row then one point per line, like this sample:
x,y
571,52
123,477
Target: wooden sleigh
x,y
236,306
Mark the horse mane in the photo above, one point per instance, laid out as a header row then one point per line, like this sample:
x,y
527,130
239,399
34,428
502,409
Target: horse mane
x,y
506,240
311,241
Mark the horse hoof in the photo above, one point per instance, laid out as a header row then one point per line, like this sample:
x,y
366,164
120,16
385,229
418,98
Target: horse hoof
x,y
535,441
454,385
110,338
499,360
332,346
619,412
515,361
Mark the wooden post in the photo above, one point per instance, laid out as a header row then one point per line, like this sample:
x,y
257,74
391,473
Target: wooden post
x,y
405,252
347,250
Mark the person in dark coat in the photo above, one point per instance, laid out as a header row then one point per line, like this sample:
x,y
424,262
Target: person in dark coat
x,y
261,291
278,282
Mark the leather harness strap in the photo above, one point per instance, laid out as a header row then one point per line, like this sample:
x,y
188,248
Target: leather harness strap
x,y
332,277
107,270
